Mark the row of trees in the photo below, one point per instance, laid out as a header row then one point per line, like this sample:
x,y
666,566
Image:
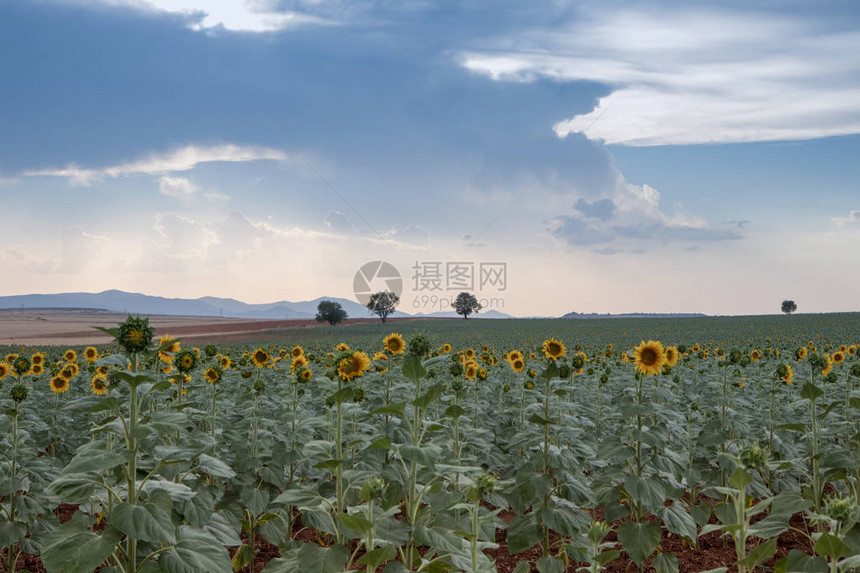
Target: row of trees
x,y
384,303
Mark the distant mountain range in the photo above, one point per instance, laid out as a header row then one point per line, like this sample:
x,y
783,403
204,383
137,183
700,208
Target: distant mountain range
x,y
635,315
136,303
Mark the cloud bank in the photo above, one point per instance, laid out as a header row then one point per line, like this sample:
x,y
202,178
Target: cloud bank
x,y
693,75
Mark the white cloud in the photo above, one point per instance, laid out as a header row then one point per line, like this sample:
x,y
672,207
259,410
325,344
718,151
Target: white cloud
x,y
632,213
694,75
78,249
178,160
852,220
176,187
234,15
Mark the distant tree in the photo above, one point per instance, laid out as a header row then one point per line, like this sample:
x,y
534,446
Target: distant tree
x,y
330,311
383,303
788,306
466,304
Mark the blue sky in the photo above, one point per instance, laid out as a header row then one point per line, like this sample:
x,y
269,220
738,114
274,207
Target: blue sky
x,y
617,156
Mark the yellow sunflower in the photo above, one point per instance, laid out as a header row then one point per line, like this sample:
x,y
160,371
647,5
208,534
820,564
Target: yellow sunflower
x,y
471,370
298,362
800,353
297,351
305,374
649,357
59,384
353,366
514,355
5,370
91,354
469,353
224,362
789,375
838,357
70,355
553,349
342,347
517,365
394,343
167,353
99,385
826,370
38,358
69,371
36,370
446,348
260,357
212,375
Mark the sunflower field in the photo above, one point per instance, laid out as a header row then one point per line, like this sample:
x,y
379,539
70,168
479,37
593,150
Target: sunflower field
x,y
664,445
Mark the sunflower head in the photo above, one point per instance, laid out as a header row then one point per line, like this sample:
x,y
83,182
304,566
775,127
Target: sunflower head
x,y
135,335
260,358
838,357
19,393
224,362
298,362
21,365
446,348
99,384
213,375
753,456
36,370
671,356
185,361
303,374
553,349
69,371
91,354
419,345
735,355
59,384
800,353
517,365
5,369
353,365
394,343
342,347
649,357
297,351
38,358
70,355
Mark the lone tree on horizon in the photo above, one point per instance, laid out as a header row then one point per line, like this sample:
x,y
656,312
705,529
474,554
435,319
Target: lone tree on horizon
x,y
383,303
466,304
330,311
788,306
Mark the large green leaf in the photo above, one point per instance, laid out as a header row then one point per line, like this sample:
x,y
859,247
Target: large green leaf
x,y
71,548
524,532
94,458
215,467
315,559
147,522
678,521
639,539
550,564
666,563
413,369
196,551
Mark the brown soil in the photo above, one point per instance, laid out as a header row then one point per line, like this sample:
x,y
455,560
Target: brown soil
x,y
67,327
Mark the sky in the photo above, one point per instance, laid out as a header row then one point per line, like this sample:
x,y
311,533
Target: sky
x,y
548,156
